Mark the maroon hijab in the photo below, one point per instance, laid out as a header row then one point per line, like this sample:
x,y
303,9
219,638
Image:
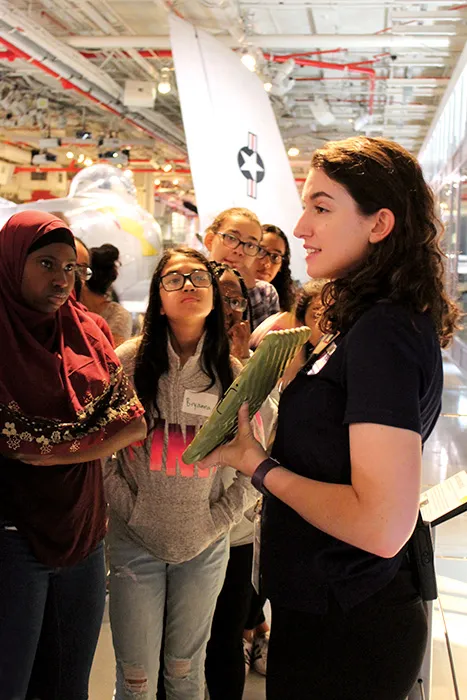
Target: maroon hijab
x,y
66,391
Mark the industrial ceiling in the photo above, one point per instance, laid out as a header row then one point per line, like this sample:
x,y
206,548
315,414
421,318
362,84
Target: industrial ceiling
x,y
332,69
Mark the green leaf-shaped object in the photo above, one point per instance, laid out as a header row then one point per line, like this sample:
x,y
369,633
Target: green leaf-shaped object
x,y
254,384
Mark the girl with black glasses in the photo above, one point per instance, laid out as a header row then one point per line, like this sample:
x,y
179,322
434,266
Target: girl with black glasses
x,y
169,522
273,264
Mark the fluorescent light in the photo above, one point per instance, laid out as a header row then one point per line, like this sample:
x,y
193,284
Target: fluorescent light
x,y
176,181
80,158
70,155
293,151
164,87
88,162
157,182
249,61
167,168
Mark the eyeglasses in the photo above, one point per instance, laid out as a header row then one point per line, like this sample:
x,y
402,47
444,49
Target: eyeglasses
x,y
173,281
232,242
236,303
84,272
276,258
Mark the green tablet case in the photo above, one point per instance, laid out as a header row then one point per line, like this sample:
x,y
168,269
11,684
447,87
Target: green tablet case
x,y
254,384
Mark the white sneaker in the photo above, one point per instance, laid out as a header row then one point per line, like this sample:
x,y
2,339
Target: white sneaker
x,y
260,653
247,652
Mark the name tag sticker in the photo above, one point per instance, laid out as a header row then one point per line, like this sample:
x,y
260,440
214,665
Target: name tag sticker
x,y
199,404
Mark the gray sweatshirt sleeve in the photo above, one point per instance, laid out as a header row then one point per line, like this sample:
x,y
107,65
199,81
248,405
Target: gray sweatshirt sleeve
x,y
238,498
117,491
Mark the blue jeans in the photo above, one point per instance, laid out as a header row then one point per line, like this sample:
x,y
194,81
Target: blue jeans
x,y
50,620
142,590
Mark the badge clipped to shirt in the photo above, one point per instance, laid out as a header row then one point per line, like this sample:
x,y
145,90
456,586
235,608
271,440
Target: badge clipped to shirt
x,y
321,354
199,403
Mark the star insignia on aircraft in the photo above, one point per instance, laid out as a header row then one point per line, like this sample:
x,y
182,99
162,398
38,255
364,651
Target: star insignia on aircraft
x,y
251,165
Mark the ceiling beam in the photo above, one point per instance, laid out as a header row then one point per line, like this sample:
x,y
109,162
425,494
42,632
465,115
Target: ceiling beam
x,y
278,41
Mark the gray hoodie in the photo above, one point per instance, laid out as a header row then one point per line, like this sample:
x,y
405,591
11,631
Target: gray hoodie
x,y
173,510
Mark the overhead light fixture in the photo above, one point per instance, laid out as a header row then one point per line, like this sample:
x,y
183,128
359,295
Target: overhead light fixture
x,y
115,154
176,181
38,158
293,151
70,155
128,172
249,61
361,121
267,86
283,87
80,158
83,134
157,182
167,167
42,103
87,162
164,86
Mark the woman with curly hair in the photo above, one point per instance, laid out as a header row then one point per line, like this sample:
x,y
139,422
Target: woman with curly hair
x,y
342,487
273,264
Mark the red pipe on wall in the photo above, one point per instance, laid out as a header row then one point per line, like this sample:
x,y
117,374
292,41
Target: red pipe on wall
x,y
325,65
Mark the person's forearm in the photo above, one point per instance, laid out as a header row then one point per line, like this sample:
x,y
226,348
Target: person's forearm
x,y
133,432
335,509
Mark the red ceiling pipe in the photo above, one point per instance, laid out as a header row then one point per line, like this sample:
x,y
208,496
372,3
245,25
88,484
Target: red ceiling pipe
x,y
16,144
40,169
7,56
325,65
144,53
75,169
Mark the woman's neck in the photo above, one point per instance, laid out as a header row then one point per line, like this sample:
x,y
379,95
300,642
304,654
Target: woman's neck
x,y
94,302
185,338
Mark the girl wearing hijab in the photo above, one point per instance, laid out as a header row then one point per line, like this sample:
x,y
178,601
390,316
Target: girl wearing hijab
x,y
64,404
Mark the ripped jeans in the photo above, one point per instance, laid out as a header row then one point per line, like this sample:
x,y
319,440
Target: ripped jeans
x,y
143,589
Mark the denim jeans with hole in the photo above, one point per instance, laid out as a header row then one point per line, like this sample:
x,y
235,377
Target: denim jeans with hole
x,y
50,620
142,589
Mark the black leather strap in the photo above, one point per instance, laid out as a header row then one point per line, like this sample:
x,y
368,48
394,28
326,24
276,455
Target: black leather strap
x,y
261,471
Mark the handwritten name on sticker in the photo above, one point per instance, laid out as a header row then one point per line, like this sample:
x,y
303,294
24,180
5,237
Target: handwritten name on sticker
x,y
198,404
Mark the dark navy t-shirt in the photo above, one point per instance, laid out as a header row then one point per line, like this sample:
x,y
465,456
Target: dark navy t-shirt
x,y
388,370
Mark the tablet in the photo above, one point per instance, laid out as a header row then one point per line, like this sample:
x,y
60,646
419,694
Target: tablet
x,y
254,384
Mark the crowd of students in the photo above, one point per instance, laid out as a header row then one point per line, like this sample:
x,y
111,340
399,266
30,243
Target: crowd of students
x,y
83,425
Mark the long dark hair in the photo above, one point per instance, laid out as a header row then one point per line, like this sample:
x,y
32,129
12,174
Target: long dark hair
x,y
283,280
407,266
152,359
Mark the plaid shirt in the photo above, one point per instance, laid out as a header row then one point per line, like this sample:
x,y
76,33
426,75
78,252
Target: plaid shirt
x,y
264,302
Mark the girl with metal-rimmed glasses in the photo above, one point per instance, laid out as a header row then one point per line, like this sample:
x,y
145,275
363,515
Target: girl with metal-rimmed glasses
x,y
234,239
